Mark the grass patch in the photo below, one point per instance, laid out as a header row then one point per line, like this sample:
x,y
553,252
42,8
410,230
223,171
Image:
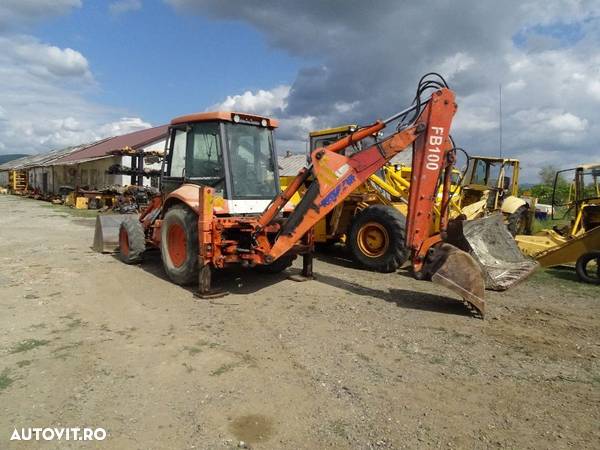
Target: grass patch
x,y
565,279
74,323
436,360
338,427
23,363
67,347
363,357
548,224
28,344
224,369
5,380
199,346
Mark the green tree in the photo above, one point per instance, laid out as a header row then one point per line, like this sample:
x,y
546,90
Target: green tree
x,y
546,190
547,174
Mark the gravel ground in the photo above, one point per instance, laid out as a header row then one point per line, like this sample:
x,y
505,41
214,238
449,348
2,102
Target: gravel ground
x,y
353,359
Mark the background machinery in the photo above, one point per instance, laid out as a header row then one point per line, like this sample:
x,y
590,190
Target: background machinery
x,y
579,241
371,220
220,202
492,184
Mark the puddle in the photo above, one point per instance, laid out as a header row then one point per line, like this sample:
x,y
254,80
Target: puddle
x,y
252,428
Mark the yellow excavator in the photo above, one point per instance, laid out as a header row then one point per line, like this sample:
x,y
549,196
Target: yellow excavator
x,y
579,241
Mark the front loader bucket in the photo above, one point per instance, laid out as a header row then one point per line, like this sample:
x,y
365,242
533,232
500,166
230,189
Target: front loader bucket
x,y
106,234
459,272
493,247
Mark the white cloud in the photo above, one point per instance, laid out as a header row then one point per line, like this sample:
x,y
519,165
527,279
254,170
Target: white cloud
x,y
455,64
124,6
265,102
122,126
568,122
44,60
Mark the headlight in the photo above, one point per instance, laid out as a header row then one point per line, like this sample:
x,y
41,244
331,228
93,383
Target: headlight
x,y
236,118
263,122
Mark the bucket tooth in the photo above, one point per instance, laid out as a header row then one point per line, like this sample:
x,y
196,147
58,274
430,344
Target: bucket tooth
x,y
458,271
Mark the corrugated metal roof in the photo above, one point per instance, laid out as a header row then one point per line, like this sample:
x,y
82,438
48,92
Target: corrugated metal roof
x,y
40,159
134,140
291,164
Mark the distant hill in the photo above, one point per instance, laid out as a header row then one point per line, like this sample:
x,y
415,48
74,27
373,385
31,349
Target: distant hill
x,y
10,157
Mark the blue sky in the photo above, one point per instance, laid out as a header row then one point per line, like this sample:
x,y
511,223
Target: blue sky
x,y
158,63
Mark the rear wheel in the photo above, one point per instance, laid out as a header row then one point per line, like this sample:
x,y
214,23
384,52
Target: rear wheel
x,y
518,222
179,245
588,267
132,241
377,238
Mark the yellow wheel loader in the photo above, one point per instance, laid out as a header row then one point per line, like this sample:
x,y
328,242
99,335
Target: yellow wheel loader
x,y
578,242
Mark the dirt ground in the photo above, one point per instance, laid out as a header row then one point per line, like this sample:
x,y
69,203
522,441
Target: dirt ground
x,y
353,359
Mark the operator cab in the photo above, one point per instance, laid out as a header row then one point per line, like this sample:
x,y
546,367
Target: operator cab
x,y
232,152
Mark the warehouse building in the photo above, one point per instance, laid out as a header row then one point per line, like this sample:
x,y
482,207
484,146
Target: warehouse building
x,y
88,165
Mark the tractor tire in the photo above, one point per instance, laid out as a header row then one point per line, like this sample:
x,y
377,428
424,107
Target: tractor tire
x,y
582,270
179,245
377,238
280,264
132,241
518,222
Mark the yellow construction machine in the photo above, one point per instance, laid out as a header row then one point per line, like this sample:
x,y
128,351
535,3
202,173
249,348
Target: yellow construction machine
x,y
491,184
371,220
579,241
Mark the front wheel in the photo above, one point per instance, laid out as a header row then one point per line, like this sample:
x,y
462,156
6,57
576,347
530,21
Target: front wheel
x,y
132,241
377,238
588,267
179,245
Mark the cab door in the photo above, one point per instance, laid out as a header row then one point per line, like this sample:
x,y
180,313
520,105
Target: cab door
x,y
173,173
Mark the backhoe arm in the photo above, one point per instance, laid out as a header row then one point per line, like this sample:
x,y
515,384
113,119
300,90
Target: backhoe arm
x,y
335,176
332,177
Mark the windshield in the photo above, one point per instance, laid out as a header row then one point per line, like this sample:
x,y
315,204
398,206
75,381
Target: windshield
x,y
251,160
478,171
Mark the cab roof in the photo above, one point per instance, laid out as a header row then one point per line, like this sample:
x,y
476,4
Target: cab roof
x,y
225,116
326,131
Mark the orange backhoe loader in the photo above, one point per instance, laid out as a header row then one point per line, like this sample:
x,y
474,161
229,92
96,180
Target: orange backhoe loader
x,y
220,202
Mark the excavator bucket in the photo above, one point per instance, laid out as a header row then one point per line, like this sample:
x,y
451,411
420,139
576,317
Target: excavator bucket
x,y
106,234
488,241
458,271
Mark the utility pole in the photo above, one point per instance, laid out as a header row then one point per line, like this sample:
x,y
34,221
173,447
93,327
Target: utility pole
x,y
500,117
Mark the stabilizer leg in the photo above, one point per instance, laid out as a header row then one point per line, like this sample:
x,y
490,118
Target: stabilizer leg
x,y
307,259
205,284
